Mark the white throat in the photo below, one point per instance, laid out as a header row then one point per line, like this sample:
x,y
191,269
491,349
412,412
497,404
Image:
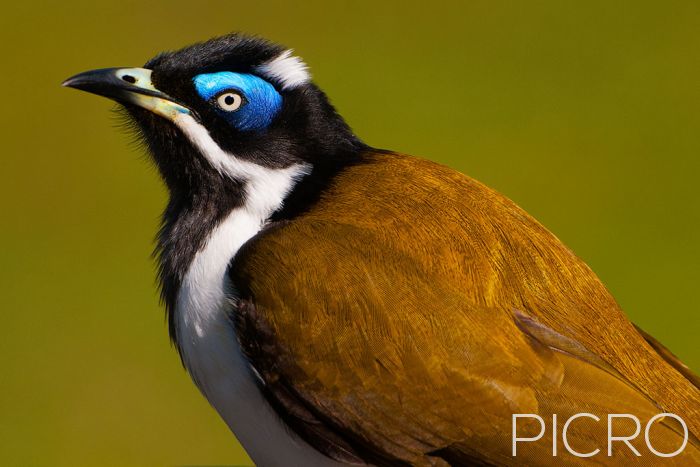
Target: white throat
x,y
203,326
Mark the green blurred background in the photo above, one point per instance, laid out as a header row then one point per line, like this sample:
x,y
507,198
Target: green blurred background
x,y
585,113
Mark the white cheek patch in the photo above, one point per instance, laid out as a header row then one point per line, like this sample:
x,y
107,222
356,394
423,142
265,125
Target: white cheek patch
x,y
286,69
266,188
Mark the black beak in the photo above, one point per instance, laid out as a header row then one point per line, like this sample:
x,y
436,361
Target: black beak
x,y
128,85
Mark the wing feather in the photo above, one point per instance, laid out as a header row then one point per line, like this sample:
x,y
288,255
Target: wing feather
x,y
390,335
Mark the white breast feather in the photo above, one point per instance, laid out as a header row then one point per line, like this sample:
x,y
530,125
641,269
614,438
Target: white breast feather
x,y
205,332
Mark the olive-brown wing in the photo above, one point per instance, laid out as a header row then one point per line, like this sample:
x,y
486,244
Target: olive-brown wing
x,y
371,357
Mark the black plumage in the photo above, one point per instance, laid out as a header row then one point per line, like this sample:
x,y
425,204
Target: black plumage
x,y
308,129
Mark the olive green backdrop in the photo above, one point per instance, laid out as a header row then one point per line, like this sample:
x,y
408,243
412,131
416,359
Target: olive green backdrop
x,y
585,113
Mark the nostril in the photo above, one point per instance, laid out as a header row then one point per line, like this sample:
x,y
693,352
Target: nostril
x,y
129,79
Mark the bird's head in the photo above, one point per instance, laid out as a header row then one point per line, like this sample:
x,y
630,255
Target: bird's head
x,y
217,110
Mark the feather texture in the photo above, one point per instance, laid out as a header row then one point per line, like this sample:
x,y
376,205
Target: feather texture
x,y
411,311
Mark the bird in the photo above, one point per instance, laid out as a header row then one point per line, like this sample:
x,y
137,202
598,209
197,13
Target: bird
x,y
339,304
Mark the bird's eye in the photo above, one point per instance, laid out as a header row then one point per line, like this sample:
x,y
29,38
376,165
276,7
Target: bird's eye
x,y
229,101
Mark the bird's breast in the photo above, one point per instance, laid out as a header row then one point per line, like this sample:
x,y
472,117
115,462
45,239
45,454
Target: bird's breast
x,y
213,357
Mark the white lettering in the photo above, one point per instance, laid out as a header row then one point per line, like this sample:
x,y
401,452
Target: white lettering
x,y
516,416
685,434
625,439
566,429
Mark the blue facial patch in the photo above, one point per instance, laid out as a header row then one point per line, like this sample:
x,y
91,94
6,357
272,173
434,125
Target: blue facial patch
x,y
261,100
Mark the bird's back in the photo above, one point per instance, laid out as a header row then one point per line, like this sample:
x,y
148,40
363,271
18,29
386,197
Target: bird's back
x,y
503,258
405,249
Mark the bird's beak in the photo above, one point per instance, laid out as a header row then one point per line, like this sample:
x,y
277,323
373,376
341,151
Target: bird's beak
x,y
128,85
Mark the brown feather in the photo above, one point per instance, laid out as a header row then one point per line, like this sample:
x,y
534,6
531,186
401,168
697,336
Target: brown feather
x,y
388,310
670,357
